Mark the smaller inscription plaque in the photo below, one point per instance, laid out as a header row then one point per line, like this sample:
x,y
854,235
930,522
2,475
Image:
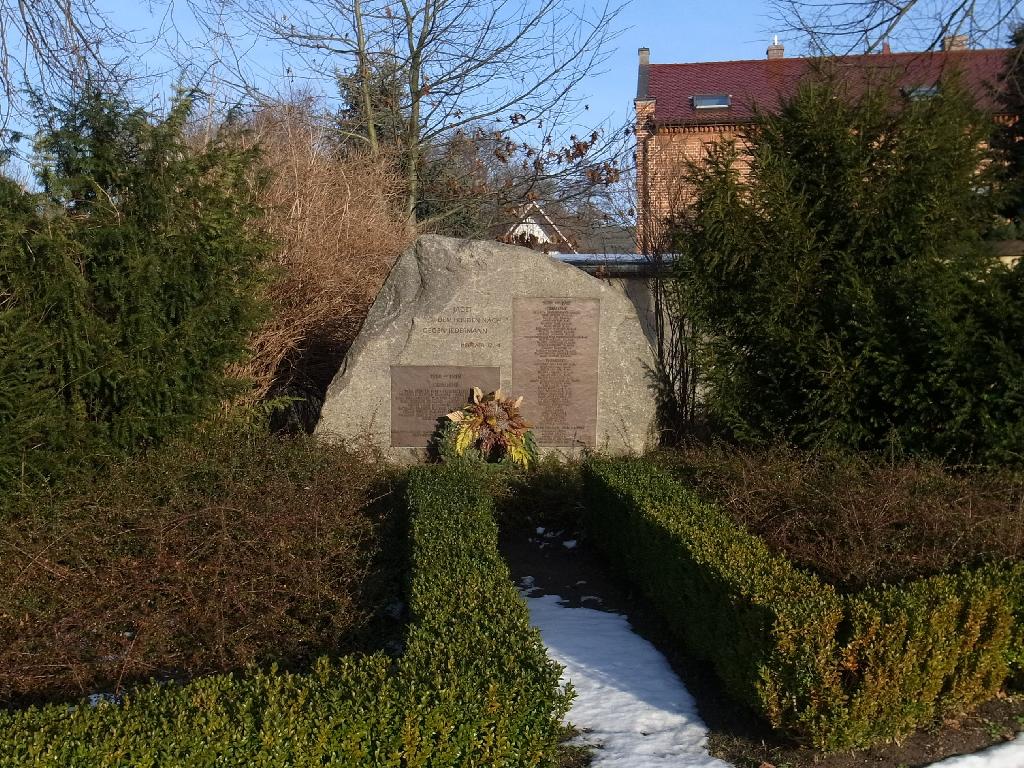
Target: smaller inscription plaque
x,y
420,394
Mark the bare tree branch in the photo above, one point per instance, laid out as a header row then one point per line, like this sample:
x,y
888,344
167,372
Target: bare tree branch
x,y
462,62
865,25
51,45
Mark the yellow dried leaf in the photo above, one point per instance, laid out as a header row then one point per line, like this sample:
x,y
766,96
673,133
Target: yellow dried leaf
x,y
464,439
519,455
456,416
513,453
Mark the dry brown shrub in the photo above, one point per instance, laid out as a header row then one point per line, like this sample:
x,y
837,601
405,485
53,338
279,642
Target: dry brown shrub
x,y
335,215
858,520
219,550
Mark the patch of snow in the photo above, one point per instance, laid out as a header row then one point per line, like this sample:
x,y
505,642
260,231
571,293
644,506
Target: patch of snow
x,y
1008,755
591,598
95,699
633,709
628,700
527,586
540,530
570,544
394,609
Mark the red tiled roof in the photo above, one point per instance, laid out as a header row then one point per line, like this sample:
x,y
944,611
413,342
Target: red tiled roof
x,y
765,82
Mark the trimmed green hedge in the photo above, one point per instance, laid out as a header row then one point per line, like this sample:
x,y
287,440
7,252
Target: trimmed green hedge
x,y
473,688
481,684
833,670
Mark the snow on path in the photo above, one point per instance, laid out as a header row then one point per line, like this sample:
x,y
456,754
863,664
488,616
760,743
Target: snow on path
x,y
634,707
1008,755
627,695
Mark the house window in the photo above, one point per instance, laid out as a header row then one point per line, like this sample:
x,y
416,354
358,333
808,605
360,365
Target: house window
x,y
711,101
920,91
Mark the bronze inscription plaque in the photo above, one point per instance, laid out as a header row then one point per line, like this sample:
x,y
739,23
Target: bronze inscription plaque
x,y
554,368
420,394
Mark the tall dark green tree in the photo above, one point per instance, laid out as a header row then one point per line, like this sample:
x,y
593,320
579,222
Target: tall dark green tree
x,y
1008,140
31,411
841,285
130,282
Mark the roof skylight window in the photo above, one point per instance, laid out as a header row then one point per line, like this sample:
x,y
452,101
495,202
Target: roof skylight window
x,y
920,92
712,101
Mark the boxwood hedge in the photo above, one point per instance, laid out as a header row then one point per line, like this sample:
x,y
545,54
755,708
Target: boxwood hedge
x,y
835,670
472,688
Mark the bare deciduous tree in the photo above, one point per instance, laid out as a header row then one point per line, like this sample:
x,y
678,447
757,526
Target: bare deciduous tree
x,y
865,25
49,45
461,62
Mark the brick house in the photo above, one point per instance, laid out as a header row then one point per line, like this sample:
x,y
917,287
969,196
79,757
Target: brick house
x,y
681,108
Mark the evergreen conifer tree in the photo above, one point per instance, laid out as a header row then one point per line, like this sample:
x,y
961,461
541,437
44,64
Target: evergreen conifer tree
x,y
131,281
1008,140
841,284
31,411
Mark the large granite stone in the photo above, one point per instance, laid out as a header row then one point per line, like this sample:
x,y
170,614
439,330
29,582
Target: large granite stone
x,y
454,314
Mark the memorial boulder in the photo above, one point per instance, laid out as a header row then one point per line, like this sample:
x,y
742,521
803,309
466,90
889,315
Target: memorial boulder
x,y
457,314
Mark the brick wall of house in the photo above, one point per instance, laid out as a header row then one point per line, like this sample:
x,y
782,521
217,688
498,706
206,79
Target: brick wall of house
x,y
662,155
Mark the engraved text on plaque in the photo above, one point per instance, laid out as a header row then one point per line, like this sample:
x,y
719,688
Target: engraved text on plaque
x,y
554,368
420,394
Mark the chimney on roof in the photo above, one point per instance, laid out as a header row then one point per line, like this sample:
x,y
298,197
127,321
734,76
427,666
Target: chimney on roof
x,y
886,48
954,43
641,77
776,50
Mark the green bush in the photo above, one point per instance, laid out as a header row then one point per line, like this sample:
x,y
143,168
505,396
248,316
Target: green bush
x,y
767,628
833,670
839,286
500,701
915,653
137,266
32,414
473,687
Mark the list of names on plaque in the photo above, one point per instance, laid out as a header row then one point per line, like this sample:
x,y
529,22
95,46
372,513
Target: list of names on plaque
x,y
554,368
420,394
